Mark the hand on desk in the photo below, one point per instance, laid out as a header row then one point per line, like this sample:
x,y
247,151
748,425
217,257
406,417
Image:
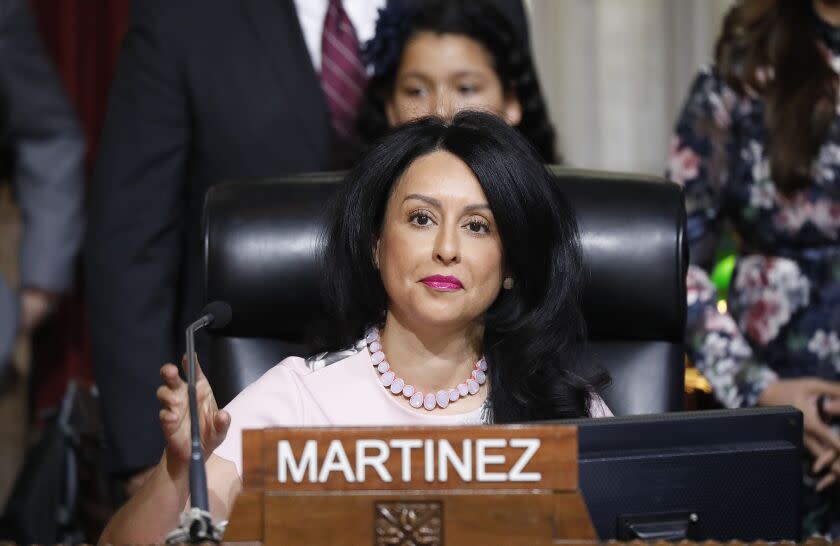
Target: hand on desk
x,y
820,438
175,414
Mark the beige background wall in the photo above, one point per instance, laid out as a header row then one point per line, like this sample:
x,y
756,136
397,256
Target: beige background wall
x,y
615,73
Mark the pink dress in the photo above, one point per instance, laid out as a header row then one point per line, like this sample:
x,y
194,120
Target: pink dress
x,y
344,394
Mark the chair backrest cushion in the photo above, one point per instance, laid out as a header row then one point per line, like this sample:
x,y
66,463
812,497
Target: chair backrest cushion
x,y
262,245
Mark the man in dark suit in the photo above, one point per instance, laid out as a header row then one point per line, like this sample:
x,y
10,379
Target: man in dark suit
x,y
205,90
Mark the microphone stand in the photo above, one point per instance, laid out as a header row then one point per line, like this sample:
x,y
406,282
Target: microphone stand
x,y
196,524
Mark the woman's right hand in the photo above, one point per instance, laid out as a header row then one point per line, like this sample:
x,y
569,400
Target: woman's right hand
x,y
819,438
175,414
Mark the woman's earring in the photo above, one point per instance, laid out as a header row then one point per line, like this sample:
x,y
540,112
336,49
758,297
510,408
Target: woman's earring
x,y
507,284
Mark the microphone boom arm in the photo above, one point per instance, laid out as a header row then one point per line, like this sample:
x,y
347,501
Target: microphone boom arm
x,y
198,475
196,524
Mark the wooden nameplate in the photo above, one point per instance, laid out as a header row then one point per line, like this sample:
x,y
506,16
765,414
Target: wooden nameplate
x,y
510,484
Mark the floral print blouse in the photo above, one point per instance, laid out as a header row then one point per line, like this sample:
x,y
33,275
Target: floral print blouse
x,y
783,317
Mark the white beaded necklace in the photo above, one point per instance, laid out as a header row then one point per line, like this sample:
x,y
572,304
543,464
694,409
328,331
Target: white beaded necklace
x,y
430,401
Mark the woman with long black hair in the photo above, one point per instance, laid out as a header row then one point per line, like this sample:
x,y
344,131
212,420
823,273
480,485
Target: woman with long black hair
x,y
455,267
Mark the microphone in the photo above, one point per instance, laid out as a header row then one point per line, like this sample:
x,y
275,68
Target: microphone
x,y
196,525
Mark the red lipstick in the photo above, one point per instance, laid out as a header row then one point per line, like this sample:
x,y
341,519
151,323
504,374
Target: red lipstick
x,y
444,283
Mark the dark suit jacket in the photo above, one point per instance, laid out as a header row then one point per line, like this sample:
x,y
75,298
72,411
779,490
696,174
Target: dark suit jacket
x,y
205,90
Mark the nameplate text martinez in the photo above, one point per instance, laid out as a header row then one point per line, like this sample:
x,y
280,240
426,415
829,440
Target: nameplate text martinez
x,y
406,460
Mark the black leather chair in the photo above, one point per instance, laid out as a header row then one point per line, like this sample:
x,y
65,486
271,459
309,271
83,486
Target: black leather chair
x,y
262,239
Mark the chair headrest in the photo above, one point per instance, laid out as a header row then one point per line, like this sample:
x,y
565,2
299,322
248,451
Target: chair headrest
x,y
262,242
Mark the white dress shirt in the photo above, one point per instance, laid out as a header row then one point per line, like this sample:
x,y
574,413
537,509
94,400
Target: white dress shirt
x,y
311,14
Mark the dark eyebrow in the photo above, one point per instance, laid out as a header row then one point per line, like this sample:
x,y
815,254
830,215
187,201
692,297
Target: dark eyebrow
x,y
415,74
466,73
471,208
435,203
460,74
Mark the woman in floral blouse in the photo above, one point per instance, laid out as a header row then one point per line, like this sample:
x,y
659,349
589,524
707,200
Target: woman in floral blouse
x,y
758,145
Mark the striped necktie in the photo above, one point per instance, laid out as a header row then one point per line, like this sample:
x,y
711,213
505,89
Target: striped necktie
x,y
343,76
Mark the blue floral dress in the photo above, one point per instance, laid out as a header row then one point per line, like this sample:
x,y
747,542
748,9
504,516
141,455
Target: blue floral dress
x,y
783,316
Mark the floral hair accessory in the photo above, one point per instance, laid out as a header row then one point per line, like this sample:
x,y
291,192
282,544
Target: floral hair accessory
x,y
383,51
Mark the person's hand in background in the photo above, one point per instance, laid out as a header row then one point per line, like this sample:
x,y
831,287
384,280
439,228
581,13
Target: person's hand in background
x,y
35,305
807,395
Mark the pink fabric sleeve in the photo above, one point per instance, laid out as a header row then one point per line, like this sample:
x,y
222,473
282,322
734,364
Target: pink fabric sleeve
x,y
274,400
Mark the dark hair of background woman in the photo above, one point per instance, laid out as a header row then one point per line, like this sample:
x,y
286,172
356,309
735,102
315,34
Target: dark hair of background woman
x,y
781,37
533,332
481,21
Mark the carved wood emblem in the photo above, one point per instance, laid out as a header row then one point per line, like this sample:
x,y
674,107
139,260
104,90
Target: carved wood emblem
x,y
408,523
